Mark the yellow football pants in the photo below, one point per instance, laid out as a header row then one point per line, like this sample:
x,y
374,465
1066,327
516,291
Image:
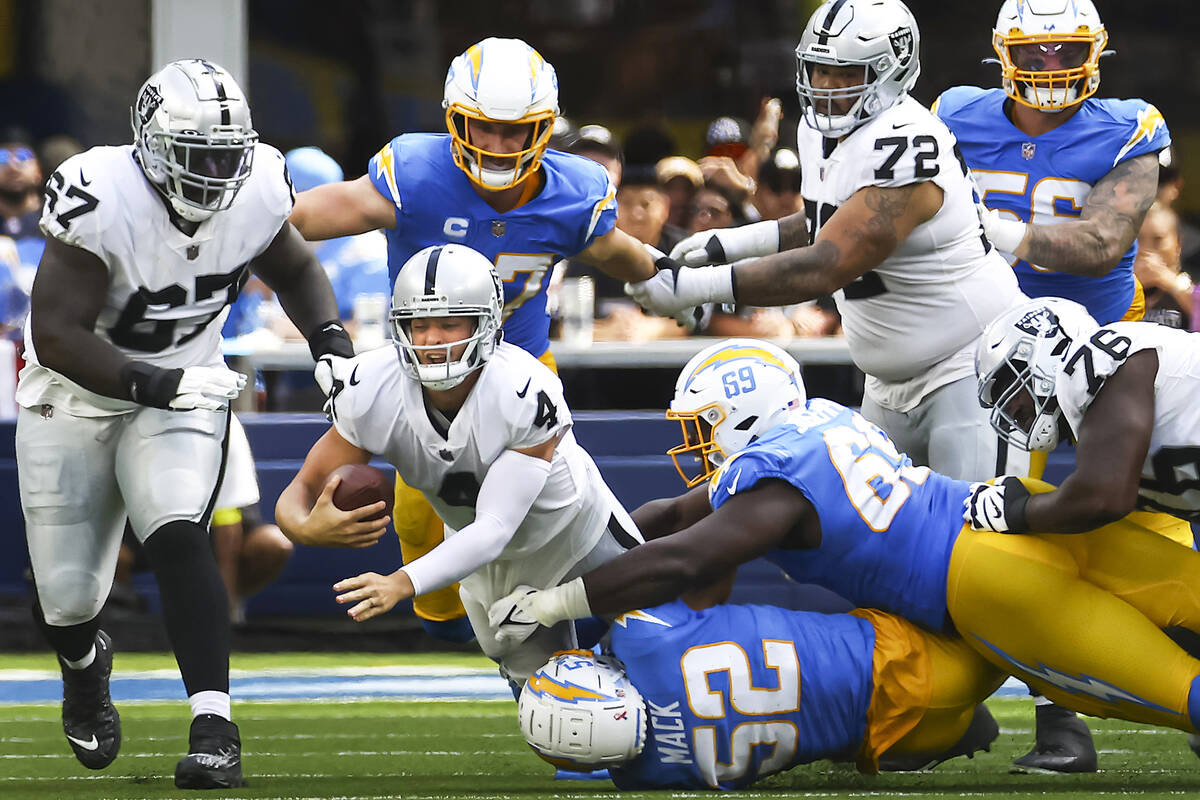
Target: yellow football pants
x,y
1079,617
420,531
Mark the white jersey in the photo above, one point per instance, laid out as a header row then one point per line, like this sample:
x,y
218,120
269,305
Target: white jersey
x,y
932,297
167,292
517,403
1170,480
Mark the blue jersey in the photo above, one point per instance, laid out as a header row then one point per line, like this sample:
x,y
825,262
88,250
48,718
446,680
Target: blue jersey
x,y
887,527
1041,178
436,203
735,693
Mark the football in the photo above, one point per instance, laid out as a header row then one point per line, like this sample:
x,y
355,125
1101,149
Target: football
x,y
361,486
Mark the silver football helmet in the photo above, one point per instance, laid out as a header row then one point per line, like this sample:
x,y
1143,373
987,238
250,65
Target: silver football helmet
x,y
580,711
1017,363
446,280
878,36
194,138
728,395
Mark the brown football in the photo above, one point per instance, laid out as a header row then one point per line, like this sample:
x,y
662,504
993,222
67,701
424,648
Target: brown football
x,y
361,486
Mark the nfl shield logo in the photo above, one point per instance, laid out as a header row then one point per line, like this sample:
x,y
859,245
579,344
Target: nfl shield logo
x,y
1027,150
193,251
497,227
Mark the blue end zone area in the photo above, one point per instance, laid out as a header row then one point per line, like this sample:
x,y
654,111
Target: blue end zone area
x,y
628,446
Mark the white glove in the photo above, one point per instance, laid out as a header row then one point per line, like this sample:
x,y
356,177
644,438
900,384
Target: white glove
x,y
726,245
674,289
518,614
997,507
331,374
1003,231
207,388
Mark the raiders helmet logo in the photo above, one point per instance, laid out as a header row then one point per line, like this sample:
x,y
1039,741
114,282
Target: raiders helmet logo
x,y
147,103
1040,322
902,45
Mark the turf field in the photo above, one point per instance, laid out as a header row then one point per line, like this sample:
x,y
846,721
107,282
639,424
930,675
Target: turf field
x,y
382,748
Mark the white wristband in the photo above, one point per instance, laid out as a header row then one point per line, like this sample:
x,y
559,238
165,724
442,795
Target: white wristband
x,y
758,239
700,285
565,601
1006,234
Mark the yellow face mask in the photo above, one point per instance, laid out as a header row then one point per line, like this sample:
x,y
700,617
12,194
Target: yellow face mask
x,y
1050,71
692,458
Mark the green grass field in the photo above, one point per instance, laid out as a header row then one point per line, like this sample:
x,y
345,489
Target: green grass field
x,y
385,749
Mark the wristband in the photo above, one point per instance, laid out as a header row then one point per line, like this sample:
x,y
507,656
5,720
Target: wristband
x,y
1016,498
330,338
149,385
565,601
1006,234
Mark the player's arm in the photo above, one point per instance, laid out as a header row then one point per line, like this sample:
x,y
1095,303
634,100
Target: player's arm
x,y
667,515
342,209
305,511
859,236
771,514
289,267
618,254
1093,244
512,483
863,232
1114,438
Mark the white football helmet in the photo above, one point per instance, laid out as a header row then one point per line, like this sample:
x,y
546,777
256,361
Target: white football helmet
x,y
194,138
500,80
1049,51
728,395
880,37
446,280
580,711
1017,363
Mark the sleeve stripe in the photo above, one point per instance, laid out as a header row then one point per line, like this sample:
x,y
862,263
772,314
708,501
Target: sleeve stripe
x,y
598,209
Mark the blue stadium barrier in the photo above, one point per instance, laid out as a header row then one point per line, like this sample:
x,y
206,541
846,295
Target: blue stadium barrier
x,y
628,446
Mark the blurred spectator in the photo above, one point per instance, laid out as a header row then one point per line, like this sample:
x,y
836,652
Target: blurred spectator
x,y
680,178
21,199
56,150
647,145
727,138
563,134
778,191
1169,291
600,145
1170,185
721,172
643,208
716,206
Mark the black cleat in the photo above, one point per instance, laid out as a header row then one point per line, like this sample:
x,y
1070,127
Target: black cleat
x,y
1063,744
977,738
91,723
214,759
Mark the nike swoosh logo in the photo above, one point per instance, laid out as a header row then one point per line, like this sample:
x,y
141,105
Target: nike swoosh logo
x,y
732,487
354,376
333,326
90,744
526,389
896,127
84,181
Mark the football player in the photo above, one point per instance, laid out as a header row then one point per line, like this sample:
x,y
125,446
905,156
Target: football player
x,y
124,399
1124,392
1066,179
489,183
824,494
892,231
458,413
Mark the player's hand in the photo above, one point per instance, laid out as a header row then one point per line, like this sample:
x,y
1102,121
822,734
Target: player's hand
x,y
514,616
676,291
1003,231
726,245
998,507
331,374
373,594
207,388
329,526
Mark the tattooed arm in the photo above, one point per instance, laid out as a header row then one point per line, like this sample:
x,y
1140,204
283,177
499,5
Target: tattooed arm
x,y
1112,216
863,232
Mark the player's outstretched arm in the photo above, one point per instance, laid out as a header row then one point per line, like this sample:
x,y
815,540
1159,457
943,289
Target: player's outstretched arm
x,y
342,209
305,511
1112,216
863,232
618,254
667,515
1114,438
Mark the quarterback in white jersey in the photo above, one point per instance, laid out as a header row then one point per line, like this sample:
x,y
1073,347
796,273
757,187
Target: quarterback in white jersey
x,y
891,230
124,399
481,429
1125,392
